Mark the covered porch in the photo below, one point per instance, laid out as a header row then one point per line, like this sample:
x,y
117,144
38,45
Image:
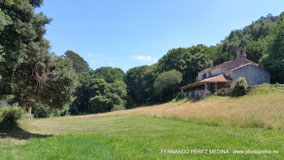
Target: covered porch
x,y
206,87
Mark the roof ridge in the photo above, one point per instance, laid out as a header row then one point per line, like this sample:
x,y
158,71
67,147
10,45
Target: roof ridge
x,y
216,65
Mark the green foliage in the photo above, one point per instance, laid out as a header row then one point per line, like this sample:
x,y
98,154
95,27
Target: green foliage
x,y
274,60
256,49
118,107
109,74
101,100
40,111
78,63
266,89
28,70
252,37
240,87
106,96
139,81
188,61
10,115
167,84
95,94
180,101
43,111
22,44
58,90
34,3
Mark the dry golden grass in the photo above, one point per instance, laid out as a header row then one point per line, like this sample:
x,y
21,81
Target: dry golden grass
x,y
265,111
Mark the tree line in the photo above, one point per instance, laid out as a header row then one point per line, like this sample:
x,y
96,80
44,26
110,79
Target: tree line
x,y
31,76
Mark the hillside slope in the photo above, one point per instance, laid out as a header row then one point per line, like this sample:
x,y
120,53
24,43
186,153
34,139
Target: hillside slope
x,y
263,108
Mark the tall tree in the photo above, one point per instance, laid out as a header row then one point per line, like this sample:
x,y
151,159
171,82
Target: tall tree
x,y
79,64
106,95
27,69
100,90
274,60
188,61
167,84
139,81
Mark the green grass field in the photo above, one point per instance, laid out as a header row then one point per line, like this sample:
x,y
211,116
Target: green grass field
x,y
153,132
135,137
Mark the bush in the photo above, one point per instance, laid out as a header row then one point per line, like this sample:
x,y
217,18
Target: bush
x,y
10,115
43,111
117,108
240,88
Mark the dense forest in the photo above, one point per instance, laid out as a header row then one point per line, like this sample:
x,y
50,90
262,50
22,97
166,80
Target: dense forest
x,y
32,77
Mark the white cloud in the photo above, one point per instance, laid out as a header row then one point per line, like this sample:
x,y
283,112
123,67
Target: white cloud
x,y
144,58
93,55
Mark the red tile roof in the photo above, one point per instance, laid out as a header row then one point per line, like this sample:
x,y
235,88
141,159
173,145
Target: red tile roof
x,y
217,79
220,78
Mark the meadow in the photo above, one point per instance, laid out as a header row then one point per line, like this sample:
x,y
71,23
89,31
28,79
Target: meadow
x,y
262,107
202,129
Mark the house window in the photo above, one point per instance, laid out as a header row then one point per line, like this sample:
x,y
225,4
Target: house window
x,y
204,76
210,74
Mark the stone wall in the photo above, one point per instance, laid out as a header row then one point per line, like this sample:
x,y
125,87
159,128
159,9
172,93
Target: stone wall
x,y
222,68
254,75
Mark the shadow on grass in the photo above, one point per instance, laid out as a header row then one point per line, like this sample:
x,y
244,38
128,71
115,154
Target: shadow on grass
x,y
14,131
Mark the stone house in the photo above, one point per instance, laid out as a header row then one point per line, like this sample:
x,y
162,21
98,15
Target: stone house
x,y
224,76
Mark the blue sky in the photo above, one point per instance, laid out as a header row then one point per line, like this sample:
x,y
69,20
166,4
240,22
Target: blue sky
x,y
129,33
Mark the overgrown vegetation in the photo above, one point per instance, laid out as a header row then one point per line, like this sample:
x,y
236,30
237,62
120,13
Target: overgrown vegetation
x,y
240,87
10,115
267,89
262,107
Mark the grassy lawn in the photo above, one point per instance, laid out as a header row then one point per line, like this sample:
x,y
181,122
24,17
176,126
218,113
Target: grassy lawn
x,y
198,129
134,137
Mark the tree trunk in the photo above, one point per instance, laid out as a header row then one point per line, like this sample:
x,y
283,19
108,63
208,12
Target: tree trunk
x,y
30,111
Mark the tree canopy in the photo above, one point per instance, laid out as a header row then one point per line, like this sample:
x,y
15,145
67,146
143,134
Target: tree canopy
x,y
273,61
139,81
167,84
100,90
78,63
28,71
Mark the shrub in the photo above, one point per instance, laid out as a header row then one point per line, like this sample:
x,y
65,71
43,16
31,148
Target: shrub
x,y
240,88
43,111
10,115
224,92
117,108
